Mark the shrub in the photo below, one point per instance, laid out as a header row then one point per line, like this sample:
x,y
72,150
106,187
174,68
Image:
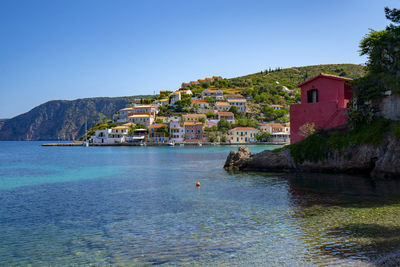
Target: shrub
x,y
317,146
396,130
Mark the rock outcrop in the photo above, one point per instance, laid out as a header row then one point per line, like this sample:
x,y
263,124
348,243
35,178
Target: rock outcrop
x,y
381,161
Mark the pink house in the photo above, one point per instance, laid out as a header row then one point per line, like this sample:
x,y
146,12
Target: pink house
x,y
324,100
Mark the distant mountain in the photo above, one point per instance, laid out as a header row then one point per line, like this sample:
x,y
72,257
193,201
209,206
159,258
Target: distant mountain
x,y
61,119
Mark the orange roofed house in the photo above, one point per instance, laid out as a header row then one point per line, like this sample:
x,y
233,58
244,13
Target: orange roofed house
x,y
324,100
158,133
229,116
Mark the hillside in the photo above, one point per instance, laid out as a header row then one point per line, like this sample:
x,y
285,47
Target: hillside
x,y
60,119
65,120
278,86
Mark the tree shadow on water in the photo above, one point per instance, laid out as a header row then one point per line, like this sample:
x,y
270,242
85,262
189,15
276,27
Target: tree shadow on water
x,y
377,243
308,189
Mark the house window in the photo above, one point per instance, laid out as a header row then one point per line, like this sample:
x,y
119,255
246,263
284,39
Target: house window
x,y
312,96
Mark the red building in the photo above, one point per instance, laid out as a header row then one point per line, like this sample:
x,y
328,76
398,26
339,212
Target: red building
x,y
324,100
194,132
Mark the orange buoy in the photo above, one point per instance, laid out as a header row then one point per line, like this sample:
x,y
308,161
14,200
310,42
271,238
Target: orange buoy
x,y
198,184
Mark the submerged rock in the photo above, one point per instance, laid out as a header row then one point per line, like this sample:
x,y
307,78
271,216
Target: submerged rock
x,y
381,161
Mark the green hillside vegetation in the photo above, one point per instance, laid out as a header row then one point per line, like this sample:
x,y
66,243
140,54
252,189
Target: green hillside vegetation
x,y
278,86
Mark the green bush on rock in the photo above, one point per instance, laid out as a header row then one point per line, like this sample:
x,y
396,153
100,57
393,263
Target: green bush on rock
x,y
317,147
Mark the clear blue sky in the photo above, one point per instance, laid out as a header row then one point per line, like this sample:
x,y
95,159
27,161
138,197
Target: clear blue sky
x,y
68,49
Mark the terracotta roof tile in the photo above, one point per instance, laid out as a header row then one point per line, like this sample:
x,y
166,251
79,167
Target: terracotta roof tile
x,y
244,129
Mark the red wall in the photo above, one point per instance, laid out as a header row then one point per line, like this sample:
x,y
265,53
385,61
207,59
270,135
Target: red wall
x,y
328,90
323,115
328,112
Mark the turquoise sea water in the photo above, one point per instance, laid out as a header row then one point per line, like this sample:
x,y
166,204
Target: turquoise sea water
x,y
139,206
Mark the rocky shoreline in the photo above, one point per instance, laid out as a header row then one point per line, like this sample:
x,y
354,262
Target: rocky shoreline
x,y
382,161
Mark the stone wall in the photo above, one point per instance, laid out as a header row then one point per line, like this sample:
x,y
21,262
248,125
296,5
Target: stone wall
x,y
390,107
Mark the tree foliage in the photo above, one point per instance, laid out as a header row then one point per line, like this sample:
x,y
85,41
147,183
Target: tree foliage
x,y
382,49
224,125
263,136
383,66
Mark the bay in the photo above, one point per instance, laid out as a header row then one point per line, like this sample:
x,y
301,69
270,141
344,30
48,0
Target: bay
x,y
140,206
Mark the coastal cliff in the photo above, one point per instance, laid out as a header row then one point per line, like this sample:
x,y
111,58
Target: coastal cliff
x,y
377,161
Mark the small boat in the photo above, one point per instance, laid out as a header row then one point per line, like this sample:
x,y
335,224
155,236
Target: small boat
x,y
199,144
86,142
171,143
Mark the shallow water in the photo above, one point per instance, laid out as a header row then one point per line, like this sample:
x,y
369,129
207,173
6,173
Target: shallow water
x,y
139,205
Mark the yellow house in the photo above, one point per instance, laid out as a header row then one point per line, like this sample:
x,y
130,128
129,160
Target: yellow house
x,y
193,117
243,135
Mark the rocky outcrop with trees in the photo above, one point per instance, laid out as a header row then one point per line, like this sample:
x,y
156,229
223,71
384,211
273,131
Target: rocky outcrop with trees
x,y
382,161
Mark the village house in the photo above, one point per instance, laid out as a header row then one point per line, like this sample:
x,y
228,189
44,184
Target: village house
x,y
194,132
242,135
216,94
163,102
241,104
222,106
156,133
142,118
122,115
100,137
324,100
177,95
214,78
138,136
279,133
176,131
183,85
193,117
149,109
229,116
114,135
118,133
202,105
